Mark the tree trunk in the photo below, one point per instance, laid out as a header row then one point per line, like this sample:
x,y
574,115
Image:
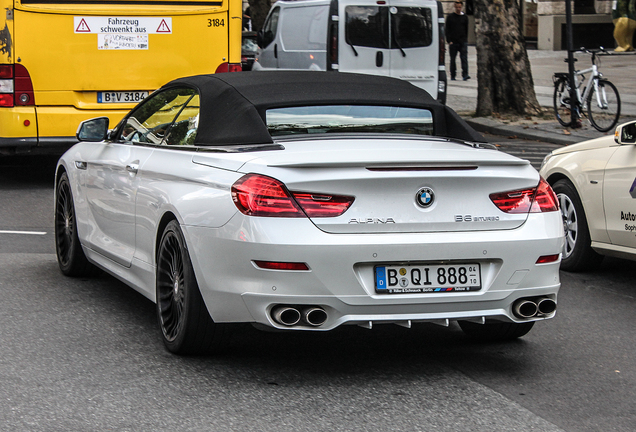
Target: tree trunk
x,y
504,76
258,12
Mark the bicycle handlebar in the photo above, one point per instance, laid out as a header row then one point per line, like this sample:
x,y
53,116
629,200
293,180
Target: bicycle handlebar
x,y
593,52
597,51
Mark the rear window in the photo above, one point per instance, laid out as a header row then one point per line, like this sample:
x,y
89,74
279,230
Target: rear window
x,y
349,119
412,27
370,26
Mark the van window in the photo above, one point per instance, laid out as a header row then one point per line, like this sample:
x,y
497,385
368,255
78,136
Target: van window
x,y
349,119
270,27
412,27
311,21
368,26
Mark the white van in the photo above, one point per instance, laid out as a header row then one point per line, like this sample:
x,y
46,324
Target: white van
x,y
399,38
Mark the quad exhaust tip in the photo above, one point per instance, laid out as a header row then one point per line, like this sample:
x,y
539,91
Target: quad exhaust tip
x,y
314,316
285,315
290,316
533,307
546,306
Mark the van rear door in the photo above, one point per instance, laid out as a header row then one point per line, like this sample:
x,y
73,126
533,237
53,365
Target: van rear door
x,y
364,45
414,54
398,38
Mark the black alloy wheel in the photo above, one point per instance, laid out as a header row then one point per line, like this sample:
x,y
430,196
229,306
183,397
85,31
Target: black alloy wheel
x,y
70,256
186,325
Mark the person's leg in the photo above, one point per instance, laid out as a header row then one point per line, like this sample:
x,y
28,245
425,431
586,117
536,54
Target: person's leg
x,y
463,56
452,51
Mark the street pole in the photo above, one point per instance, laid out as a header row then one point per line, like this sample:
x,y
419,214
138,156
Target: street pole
x,y
574,115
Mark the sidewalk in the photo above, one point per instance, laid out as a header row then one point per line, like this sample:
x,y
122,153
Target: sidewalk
x,y
462,97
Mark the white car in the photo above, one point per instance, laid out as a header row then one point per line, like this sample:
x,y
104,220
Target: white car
x,y
305,201
595,182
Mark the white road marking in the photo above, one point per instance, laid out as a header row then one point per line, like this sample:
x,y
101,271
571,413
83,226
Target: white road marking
x,y
23,232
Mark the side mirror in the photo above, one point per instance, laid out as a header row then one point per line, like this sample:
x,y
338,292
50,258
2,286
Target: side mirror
x,y
259,38
93,130
625,133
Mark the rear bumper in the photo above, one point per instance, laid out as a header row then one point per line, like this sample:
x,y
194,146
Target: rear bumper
x,y
339,312
341,276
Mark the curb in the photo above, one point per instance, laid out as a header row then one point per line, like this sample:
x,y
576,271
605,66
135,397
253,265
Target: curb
x,y
493,127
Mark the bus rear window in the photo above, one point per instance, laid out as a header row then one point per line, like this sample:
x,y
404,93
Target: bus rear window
x,y
349,119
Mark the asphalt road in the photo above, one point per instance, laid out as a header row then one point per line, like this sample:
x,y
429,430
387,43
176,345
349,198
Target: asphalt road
x,y
85,354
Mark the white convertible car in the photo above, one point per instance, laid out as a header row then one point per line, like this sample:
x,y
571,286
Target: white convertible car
x,y
305,201
595,182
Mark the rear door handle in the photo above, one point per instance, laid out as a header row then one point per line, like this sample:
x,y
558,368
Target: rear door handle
x,y
379,59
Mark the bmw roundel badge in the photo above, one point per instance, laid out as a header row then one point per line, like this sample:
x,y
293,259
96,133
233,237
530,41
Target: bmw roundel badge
x,y
425,197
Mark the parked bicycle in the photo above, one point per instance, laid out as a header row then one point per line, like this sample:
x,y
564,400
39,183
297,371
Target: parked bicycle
x,y
599,99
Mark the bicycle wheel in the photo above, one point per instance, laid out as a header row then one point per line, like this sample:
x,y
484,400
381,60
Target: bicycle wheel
x,y
562,102
604,107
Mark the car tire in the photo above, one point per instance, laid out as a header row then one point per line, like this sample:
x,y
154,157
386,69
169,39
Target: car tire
x,y
186,325
577,254
495,331
70,256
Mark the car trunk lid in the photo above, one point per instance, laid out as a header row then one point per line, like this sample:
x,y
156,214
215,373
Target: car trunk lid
x,y
401,185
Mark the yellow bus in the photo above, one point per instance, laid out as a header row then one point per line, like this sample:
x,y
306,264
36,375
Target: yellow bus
x,y
65,61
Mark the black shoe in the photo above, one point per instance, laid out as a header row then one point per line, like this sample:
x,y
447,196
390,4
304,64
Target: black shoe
x,y
467,77
453,79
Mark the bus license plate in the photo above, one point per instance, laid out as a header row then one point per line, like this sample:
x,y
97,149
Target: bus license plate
x,y
121,96
427,278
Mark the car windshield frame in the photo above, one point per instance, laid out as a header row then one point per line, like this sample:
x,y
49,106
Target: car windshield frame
x,y
330,119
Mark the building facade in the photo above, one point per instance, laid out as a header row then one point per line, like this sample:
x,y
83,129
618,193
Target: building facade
x,y
544,23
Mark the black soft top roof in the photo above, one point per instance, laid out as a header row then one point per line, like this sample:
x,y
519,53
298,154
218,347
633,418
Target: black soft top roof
x,y
233,105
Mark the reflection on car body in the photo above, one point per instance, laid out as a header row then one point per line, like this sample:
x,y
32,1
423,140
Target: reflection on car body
x,y
595,182
308,200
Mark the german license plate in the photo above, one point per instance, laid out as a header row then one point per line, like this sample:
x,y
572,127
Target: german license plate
x,y
121,96
427,278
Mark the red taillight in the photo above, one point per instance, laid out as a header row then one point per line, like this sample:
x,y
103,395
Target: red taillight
x,y
532,200
6,100
274,265
229,67
17,88
23,86
259,195
547,259
6,71
333,47
318,205
546,200
442,46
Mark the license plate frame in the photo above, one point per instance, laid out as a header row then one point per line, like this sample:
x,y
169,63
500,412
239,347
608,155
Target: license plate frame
x,y
433,278
115,97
